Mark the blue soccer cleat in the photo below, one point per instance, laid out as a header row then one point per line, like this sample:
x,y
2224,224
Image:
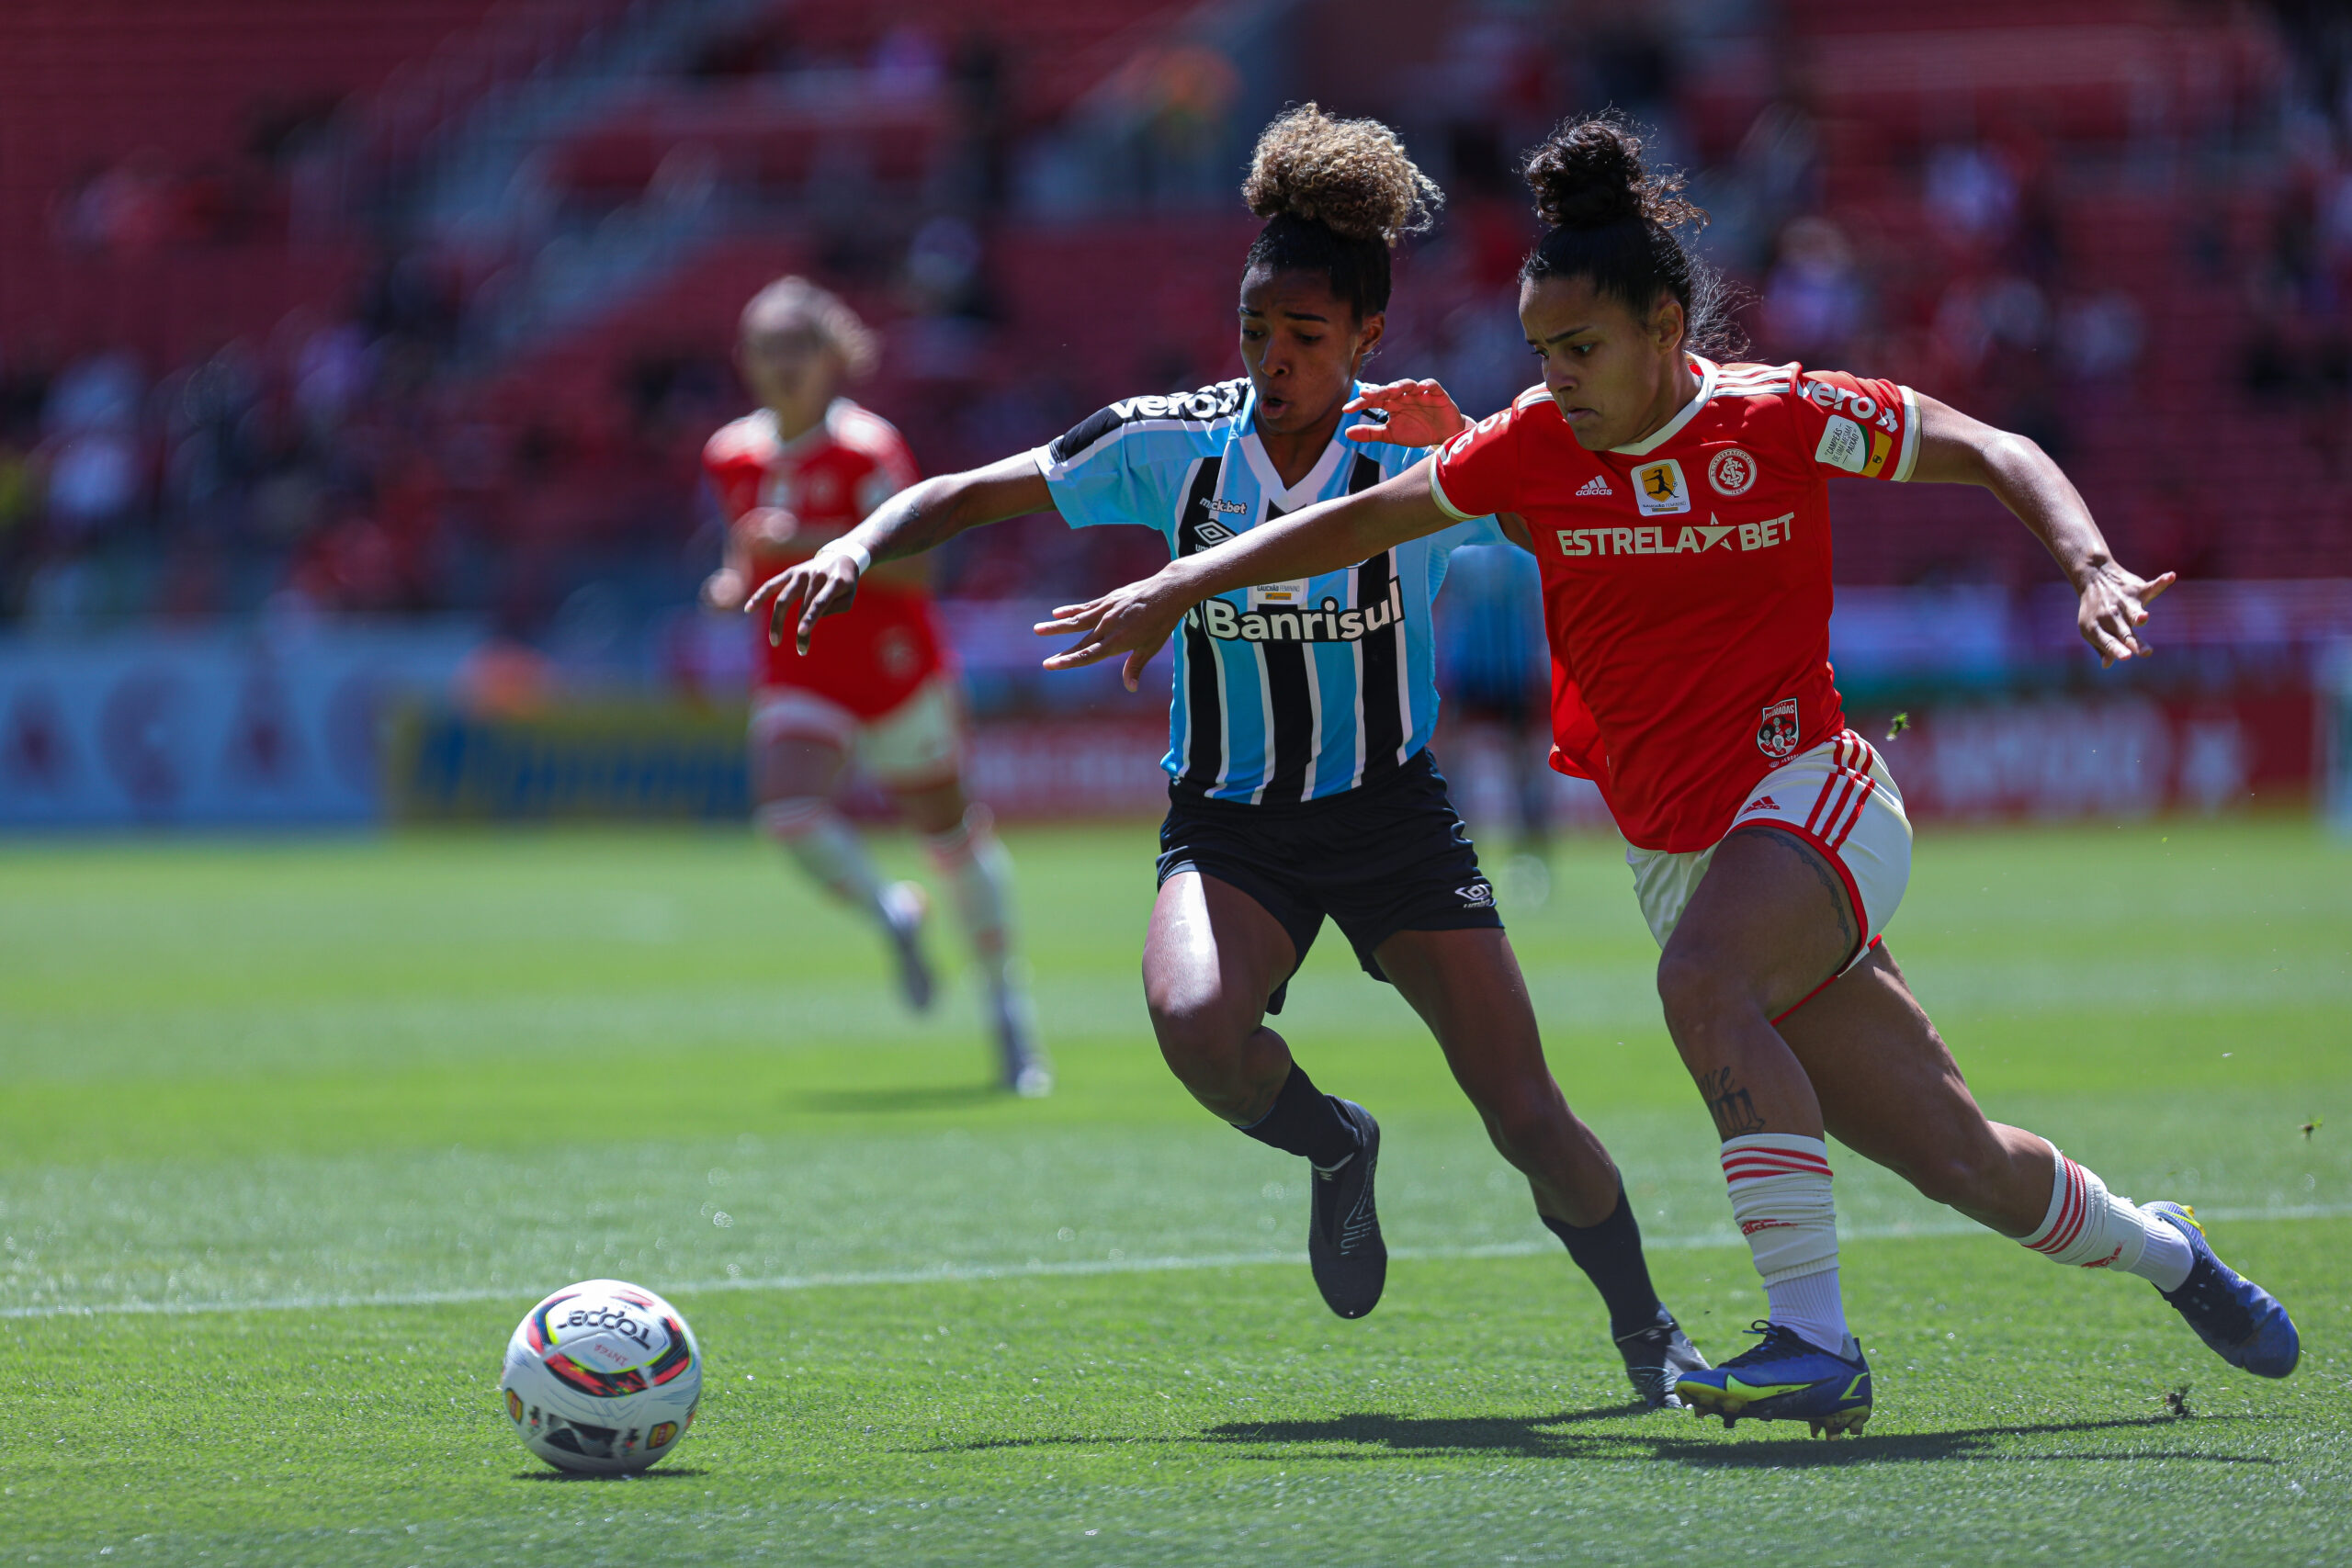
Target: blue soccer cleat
x,y
1785,1377
2239,1321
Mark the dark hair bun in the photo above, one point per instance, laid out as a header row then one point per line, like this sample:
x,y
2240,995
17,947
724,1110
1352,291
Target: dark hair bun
x,y
1352,176
1588,174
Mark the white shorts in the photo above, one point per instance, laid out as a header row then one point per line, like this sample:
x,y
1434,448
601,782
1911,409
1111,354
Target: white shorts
x,y
1840,799
917,744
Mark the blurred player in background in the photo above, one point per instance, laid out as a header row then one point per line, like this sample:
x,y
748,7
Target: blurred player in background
x,y
1301,786
1682,507
1498,672
791,477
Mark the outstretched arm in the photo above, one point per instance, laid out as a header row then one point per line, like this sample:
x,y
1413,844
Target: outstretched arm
x,y
920,517
1328,537
1956,449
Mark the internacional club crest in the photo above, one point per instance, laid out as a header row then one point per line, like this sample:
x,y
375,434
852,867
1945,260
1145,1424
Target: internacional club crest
x,y
1776,732
1732,471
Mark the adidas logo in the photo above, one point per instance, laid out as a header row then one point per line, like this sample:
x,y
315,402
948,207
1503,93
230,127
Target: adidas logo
x,y
1761,803
1597,485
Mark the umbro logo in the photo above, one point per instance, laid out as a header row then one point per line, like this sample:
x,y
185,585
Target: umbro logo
x,y
1210,534
1477,896
1597,485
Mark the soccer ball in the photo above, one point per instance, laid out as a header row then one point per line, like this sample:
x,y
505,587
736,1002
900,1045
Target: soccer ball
x,y
602,1378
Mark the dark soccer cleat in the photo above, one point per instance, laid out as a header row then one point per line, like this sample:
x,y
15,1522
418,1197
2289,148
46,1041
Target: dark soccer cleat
x,y
2239,1321
1655,1358
1344,1245
1786,1378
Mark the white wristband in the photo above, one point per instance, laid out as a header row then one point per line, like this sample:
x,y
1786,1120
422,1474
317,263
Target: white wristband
x,y
855,552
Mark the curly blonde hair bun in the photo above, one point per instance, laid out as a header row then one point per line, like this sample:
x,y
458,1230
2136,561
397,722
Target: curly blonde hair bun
x,y
1352,176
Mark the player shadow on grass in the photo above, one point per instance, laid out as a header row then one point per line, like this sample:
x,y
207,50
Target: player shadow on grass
x,y
1347,1439
1528,1438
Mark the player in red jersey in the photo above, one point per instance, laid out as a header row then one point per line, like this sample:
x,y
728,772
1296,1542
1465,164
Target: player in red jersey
x,y
1680,511
790,477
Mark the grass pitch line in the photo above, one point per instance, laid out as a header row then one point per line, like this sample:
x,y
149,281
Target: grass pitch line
x,y
1037,1268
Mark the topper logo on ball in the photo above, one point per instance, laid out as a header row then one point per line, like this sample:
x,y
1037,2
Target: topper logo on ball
x,y
629,1326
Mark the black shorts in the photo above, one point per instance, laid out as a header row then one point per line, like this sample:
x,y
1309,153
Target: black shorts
x,y
1390,857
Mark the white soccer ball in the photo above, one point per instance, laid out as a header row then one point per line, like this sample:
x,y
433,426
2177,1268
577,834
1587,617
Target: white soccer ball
x,y
602,1378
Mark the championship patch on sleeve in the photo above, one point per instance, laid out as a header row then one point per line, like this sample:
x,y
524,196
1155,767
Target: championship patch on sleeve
x,y
1843,445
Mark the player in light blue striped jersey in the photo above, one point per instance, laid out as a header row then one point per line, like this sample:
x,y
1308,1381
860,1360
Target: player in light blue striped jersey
x,y
1300,780
1293,691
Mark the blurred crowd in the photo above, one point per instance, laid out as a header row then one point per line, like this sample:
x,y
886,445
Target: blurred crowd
x,y
350,461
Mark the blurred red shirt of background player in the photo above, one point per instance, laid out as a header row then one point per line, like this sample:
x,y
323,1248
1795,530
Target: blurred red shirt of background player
x,y
783,499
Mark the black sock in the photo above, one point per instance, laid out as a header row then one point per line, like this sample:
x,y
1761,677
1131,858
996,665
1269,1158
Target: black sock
x,y
1305,1122
1610,1254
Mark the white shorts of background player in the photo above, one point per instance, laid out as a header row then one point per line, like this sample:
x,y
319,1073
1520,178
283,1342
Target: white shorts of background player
x,y
914,746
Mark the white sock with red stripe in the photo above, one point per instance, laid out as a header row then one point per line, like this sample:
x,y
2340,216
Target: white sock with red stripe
x,y
828,849
1780,1195
973,863
2092,1228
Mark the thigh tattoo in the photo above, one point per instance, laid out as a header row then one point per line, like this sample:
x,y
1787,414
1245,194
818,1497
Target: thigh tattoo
x,y
1812,862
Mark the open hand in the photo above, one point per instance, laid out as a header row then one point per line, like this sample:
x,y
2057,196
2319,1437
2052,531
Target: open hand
x,y
1420,414
2114,605
825,584
1136,620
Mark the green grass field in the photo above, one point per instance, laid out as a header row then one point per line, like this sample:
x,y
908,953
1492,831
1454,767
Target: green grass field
x,y
292,1133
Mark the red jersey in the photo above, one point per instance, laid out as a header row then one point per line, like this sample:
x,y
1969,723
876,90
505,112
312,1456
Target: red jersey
x,y
1686,579
871,658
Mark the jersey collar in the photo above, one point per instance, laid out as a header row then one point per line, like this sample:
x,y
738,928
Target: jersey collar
x,y
1304,492
815,435
1707,370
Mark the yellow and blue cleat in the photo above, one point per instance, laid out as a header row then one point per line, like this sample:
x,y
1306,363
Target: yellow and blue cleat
x,y
2239,1321
1784,1377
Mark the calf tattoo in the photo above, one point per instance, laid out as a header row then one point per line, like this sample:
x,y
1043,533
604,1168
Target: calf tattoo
x,y
1729,1104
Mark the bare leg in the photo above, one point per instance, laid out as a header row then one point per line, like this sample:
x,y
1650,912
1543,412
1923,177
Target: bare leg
x,y
1890,1091
797,768
1212,958
1468,987
1768,925
796,776
977,874
933,809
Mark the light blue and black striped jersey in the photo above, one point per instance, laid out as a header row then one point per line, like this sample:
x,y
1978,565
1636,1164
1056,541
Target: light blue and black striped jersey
x,y
1293,691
